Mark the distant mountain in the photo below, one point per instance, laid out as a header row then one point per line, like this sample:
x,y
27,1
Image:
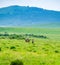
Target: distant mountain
x,y
29,17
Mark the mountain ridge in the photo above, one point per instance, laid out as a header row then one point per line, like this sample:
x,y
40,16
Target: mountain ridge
x,y
28,16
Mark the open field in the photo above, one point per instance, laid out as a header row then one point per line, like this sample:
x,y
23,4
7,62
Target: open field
x,y
30,30
44,51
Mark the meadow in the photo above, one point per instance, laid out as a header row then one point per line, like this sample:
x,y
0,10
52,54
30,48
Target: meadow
x,y
44,51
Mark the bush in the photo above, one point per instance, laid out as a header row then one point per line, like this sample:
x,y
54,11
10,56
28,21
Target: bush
x,y
16,62
12,47
56,51
5,34
0,49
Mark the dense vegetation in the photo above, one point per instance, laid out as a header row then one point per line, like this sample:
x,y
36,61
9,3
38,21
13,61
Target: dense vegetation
x,y
19,36
14,50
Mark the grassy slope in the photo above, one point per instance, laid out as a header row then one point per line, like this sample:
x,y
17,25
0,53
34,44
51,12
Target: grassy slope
x,y
42,53
30,30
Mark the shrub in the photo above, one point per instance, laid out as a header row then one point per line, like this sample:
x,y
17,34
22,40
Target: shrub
x,y
12,47
6,34
45,49
42,63
56,51
7,47
0,49
16,62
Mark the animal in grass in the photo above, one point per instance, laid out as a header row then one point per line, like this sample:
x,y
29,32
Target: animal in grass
x,y
27,40
32,40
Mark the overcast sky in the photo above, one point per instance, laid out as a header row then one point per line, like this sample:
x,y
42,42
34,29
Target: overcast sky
x,y
46,4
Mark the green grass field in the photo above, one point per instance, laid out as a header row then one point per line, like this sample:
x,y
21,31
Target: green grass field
x,y
42,52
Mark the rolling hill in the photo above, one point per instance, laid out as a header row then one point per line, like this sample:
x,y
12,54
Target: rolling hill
x,y
25,16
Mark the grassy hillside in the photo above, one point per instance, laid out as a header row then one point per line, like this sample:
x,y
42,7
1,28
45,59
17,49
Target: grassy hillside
x,y
30,30
42,52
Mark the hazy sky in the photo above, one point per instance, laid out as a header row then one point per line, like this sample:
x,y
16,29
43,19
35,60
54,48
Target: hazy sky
x,y
46,4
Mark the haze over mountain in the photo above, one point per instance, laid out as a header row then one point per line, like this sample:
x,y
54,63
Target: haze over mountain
x,y
23,16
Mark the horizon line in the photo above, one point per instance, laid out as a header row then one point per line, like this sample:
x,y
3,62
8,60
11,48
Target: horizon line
x,y
29,6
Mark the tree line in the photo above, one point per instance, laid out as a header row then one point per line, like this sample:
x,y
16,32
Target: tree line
x,y
20,36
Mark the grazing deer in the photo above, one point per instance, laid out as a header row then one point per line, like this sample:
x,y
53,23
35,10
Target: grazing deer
x,y
32,40
27,40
